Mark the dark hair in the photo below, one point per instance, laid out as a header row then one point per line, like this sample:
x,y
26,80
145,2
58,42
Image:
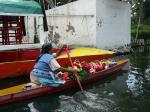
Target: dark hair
x,y
45,49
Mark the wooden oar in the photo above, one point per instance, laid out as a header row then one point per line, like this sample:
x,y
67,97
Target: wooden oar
x,y
78,81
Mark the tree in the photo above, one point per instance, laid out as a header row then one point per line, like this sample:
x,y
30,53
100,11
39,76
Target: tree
x,y
140,8
141,17
146,11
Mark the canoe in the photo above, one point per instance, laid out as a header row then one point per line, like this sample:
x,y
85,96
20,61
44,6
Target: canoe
x,y
17,93
21,62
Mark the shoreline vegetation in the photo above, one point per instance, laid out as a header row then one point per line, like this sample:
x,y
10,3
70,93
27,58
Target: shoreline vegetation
x,y
144,32
143,37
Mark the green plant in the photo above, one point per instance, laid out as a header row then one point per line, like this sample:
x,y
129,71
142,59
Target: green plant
x,y
144,31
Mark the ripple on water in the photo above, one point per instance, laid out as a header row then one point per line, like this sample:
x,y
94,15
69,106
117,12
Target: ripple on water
x,y
87,102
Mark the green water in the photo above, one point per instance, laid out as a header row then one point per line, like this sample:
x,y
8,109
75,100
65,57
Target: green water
x,y
125,91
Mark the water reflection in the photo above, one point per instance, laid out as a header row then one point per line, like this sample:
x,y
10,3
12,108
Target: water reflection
x,y
141,49
132,83
139,75
32,108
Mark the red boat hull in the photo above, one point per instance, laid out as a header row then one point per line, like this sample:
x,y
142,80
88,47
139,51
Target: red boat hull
x,y
28,94
19,55
19,68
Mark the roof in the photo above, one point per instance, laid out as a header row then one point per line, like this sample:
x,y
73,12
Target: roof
x,y
20,8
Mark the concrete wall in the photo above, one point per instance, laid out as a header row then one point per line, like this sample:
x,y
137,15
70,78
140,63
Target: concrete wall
x,y
29,25
103,24
113,23
73,24
30,29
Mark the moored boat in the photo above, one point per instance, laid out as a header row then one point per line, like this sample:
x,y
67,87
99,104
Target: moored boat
x,y
20,62
18,93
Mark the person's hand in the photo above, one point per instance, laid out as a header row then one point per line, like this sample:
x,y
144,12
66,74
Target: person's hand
x,y
73,70
76,70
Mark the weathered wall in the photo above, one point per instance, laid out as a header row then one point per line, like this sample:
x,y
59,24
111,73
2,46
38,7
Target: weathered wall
x,y
73,24
113,23
100,23
30,29
29,25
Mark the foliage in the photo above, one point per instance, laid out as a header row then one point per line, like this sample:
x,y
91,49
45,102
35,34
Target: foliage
x,y
140,19
144,31
146,11
140,9
83,74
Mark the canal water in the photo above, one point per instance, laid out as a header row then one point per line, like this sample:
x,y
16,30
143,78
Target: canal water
x,y
125,91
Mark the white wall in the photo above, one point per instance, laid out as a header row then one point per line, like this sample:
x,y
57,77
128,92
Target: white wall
x,y
113,23
29,25
74,23
100,23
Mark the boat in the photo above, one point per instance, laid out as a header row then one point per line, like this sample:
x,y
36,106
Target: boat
x,y
18,62
18,93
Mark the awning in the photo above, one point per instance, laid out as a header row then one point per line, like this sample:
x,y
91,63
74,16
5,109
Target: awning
x,y
20,8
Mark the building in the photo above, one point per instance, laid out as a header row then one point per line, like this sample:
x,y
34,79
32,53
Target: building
x,y
103,24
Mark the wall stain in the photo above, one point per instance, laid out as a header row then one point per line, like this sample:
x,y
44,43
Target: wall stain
x,y
56,38
53,36
51,27
99,22
70,28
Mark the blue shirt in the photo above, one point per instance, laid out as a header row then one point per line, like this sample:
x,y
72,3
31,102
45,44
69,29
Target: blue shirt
x,y
42,68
